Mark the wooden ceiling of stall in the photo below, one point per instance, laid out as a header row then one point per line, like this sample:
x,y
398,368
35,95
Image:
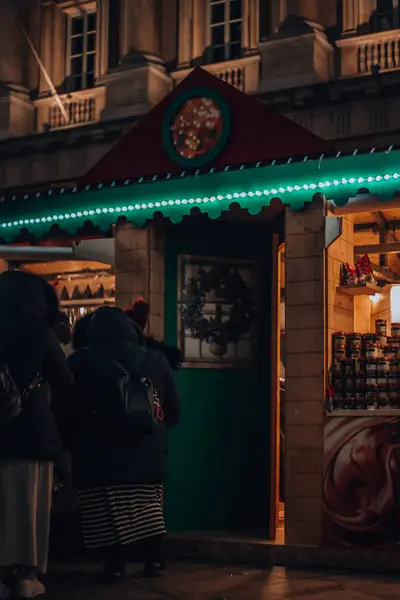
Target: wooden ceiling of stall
x,y
371,236
64,266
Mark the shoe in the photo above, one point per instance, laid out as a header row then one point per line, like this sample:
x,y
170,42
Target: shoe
x,y
5,591
113,577
29,588
114,570
154,569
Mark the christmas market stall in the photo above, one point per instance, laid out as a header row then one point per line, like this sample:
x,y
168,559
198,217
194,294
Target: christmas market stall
x,y
231,221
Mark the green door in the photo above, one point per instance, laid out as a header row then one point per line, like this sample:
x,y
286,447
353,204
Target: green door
x,y
219,455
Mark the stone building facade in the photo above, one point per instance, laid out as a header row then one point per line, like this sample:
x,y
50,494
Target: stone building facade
x,y
330,65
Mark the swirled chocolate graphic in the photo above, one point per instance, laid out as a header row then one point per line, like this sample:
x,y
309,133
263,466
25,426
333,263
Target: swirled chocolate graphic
x,y
362,482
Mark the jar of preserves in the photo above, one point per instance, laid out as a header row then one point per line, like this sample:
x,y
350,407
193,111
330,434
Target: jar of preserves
x,y
395,368
383,399
371,368
348,367
392,382
338,402
371,383
381,327
337,368
370,338
382,382
395,330
354,341
393,398
359,367
391,352
349,384
338,384
359,401
339,354
371,400
349,401
338,341
359,384
354,352
382,366
371,351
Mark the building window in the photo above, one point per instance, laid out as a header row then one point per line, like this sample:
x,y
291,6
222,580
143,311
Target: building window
x,y
386,15
226,20
82,51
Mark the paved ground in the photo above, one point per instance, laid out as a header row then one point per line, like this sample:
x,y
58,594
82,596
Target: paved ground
x,y
211,582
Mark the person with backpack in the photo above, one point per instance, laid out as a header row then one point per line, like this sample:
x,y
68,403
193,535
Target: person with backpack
x,y
35,387
125,400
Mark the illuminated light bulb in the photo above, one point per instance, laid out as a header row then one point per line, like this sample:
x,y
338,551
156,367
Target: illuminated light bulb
x,y
199,200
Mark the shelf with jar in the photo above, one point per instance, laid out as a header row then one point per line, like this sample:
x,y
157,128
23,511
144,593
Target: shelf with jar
x,y
365,373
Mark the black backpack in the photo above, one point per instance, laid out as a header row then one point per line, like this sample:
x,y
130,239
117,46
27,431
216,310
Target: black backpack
x,y
11,398
125,403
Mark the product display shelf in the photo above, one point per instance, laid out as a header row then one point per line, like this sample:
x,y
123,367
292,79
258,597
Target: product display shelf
x,y
365,289
95,302
379,412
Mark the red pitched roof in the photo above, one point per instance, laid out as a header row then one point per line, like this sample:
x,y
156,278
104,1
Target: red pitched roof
x,y
258,133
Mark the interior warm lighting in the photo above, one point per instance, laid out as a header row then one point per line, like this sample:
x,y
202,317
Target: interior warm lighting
x,y
395,303
142,207
375,298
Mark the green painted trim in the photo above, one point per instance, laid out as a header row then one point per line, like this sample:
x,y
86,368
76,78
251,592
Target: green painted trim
x,y
293,184
173,109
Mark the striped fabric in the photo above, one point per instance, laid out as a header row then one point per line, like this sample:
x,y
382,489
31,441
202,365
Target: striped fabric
x,y
121,514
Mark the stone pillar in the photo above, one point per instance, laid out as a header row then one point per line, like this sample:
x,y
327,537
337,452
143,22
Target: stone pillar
x,y
16,110
308,9
305,380
185,37
103,37
254,25
140,32
139,271
141,80
350,16
13,46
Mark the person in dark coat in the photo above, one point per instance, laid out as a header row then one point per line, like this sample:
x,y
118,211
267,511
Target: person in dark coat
x,y
139,313
30,442
79,334
119,481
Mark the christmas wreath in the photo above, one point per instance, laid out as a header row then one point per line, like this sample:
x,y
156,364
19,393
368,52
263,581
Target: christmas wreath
x,y
228,287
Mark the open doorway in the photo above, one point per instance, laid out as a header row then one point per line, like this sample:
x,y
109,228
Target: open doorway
x,y
280,397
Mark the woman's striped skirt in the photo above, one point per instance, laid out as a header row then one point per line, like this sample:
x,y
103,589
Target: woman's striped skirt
x,y
121,514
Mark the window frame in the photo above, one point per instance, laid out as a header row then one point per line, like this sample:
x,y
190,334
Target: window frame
x,y
226,23
85,14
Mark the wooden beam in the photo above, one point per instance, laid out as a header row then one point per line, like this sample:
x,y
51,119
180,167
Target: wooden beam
x,y
389,248
385,273
383,234
364,204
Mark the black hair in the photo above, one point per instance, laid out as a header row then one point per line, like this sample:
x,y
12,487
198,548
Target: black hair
x,y
79,334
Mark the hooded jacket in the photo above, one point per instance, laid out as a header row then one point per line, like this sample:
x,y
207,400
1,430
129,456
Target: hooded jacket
x,y
28,313
99,460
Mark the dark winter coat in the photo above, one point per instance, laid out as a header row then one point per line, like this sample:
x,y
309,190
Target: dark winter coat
x,y
100,460
28,310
